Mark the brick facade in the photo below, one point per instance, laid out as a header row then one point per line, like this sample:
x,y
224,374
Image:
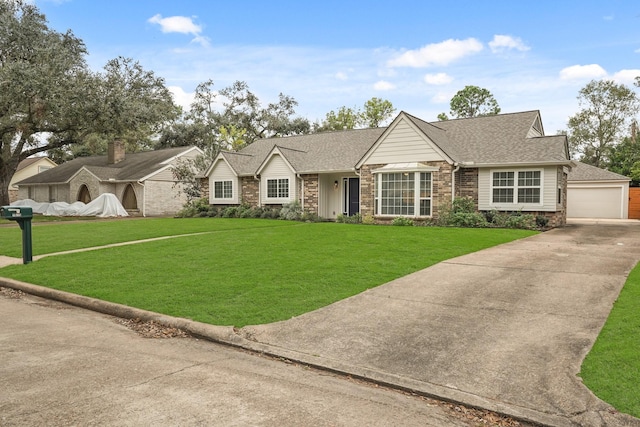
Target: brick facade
x,y
250,191
467,184
441,187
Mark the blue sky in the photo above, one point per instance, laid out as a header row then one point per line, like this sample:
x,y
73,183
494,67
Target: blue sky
x,y
326,54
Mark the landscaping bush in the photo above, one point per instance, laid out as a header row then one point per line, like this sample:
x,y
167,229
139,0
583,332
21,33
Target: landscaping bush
x,y
194,208
346,219
368,220
291,211
402,221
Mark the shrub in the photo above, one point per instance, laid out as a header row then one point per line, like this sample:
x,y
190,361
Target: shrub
x,y
368,219
194,208
291,211
353,219
402,221
542,221
467,219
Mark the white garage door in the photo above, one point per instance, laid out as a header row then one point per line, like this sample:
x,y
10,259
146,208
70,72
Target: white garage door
x,y
594,202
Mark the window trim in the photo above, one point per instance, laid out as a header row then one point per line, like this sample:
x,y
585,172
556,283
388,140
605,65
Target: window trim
x,y
516,177
278,180
223,181
417,179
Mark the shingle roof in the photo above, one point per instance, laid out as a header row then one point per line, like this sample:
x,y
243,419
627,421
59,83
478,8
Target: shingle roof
x,y
495,139
320,152
499,139
134,167
585,172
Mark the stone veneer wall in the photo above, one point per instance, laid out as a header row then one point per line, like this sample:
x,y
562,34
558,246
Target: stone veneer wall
x,y
204,188
441,187
311,188
250,191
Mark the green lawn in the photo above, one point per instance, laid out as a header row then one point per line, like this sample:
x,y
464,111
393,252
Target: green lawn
x,y
612,368
246,271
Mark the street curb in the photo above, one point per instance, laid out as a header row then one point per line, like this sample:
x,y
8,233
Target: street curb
x,y
228,336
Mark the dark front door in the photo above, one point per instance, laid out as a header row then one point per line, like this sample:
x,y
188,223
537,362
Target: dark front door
x,y
351,196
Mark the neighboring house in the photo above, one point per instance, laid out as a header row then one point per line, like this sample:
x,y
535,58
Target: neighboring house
x,y
143,182
597,193
411,168
26,168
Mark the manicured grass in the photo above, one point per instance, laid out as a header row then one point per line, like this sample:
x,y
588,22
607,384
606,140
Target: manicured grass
x,y
251,272
612,369
62,236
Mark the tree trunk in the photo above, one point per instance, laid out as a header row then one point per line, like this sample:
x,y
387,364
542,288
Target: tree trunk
x,y
5,177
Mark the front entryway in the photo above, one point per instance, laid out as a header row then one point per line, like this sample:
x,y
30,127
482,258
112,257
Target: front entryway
x,y
350,196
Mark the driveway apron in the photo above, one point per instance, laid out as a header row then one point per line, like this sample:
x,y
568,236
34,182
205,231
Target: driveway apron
x,y
509,325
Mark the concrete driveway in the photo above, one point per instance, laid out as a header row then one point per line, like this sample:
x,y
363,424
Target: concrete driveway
x,y
505,328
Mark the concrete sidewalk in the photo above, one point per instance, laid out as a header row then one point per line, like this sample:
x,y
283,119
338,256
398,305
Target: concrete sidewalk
x,y
505,329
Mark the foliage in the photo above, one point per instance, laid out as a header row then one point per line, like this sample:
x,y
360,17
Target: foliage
x,y
200,208
472,101
402,221
368,220
346,219
241,271
624,158
541,221
193,208
291,211
375,112
612,367
51,100
462,213
607,109
344,119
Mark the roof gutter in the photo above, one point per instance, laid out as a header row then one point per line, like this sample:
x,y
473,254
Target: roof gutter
x,y
570,163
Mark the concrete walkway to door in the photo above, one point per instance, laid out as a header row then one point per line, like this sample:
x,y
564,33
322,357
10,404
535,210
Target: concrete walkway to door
x,y
505,328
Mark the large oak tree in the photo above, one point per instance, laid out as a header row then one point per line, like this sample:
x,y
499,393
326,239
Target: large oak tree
x,y
50,100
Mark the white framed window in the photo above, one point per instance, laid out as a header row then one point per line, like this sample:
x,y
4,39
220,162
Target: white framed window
x,y
403,193
223,189
511,187
278,188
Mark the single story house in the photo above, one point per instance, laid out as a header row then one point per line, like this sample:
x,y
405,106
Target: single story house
x,y
143,182
411,168
597,193
26,168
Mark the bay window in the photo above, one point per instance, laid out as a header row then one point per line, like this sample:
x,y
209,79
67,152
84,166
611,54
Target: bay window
x,y
403,193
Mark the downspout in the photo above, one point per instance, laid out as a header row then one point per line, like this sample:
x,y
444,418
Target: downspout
x,y
302,191
453,181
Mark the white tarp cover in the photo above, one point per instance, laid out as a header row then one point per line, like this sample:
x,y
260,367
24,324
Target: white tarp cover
x,y
105,205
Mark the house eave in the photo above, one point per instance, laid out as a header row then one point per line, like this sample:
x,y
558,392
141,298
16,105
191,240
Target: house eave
x,y
569,163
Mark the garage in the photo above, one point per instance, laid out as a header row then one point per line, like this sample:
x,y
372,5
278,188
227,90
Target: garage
x,y
597,193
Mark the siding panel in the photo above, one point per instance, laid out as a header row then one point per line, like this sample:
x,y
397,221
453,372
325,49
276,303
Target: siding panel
x,y
549,190
277,167
222,172
403,144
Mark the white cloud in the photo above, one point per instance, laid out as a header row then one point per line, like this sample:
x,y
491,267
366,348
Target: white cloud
x,y
182,25
441,53
500,43
438,79
626,76
341,76
180,97
383,85
579,72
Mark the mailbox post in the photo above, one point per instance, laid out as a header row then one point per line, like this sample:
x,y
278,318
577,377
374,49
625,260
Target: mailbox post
x,y
22,215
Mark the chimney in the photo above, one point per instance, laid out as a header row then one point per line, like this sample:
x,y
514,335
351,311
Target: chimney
x,y
115,152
